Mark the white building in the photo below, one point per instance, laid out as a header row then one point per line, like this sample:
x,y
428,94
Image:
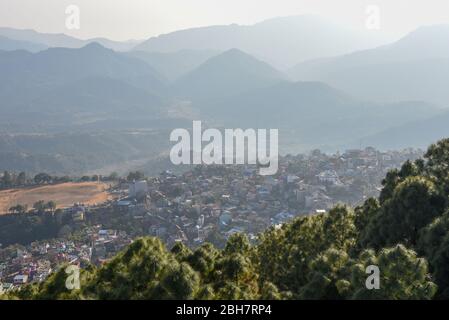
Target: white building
x,y
20,279
137,188
328,176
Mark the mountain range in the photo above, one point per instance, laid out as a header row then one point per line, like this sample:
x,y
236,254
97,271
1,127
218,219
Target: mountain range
x,y
224,75
418,133
7,44
382,96
173,65
312,114
49,40
416,67
282,41
63,86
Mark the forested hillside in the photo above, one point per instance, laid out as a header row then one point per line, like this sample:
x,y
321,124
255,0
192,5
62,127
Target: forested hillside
x,y
405,232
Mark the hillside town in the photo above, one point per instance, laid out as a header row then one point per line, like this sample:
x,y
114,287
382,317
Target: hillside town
x,y
204,204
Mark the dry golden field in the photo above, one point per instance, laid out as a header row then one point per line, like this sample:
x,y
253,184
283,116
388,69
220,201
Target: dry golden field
x,y
64,194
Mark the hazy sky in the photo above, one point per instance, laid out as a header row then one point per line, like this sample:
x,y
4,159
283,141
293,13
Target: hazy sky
x,y
139,19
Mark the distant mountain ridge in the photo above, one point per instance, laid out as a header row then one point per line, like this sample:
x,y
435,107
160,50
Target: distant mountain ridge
x,y
282,42
59,65
312,114
173,65
65,87
417,133
383,95
226,74
414,68
7,44
49,40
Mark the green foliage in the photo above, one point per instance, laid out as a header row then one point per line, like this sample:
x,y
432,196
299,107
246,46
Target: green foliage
x,y
438,159
366,212
415,202
237,243
402,275
394,177
179,282
19,209
41,178
24,228
39,205
135,273
6,180
286,256
203,259
135,175
434,243
325,280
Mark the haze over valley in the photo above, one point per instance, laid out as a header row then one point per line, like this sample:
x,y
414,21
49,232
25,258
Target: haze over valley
x,y
324,86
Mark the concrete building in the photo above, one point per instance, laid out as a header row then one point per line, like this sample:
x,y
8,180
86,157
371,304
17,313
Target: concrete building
x,y
137,188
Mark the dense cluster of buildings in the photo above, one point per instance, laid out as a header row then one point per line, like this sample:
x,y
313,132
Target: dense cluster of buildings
x,y
208,203
33,263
